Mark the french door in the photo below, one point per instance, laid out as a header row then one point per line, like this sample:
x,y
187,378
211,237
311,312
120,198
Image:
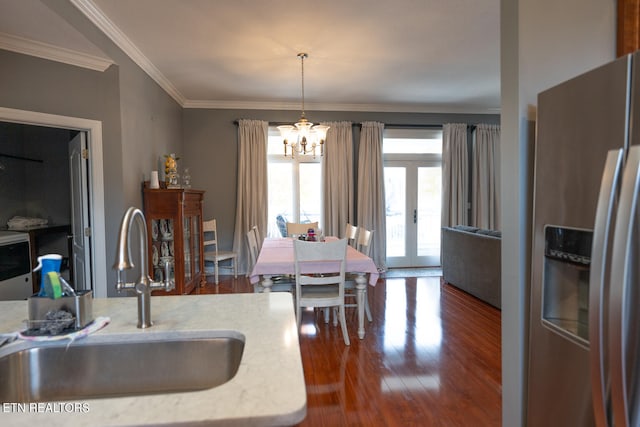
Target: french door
x,y
413,203
81,255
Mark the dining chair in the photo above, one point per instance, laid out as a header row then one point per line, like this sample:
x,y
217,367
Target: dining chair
x,y
351,234
325,288
259,238
364,240
215,255
364,246
298,228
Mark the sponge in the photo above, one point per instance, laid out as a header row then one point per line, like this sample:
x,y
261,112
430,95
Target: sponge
x,y
52,287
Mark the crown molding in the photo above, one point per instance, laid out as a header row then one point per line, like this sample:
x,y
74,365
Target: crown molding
x,y
380,108
52,52
241,105
95,15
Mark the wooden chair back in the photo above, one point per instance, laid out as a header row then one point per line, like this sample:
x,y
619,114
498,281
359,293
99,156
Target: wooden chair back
x,y
364,241
351,234
210,231
214,255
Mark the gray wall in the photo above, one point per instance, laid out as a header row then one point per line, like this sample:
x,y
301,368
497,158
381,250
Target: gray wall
x,y
140,121
210,149
33,84
543,42
150,120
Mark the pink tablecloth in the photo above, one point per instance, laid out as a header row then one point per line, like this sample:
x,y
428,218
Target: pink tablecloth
x,y
276,257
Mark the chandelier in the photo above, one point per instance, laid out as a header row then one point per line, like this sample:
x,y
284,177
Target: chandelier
x,y
303,137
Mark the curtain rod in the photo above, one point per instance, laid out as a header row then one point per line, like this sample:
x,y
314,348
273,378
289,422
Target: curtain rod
x,y
386,125
418,126
237,122
408,126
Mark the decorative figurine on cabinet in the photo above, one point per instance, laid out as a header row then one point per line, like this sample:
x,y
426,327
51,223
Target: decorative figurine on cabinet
x,y
171,171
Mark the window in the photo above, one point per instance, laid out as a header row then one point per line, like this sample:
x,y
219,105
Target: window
x,y
295,186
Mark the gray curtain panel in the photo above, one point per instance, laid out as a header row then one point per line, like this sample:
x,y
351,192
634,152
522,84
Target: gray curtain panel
x,y
337,178
251,203
371,197
485,204
455,175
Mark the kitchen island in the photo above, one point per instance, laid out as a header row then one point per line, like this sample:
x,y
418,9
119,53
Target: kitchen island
x,y
268,388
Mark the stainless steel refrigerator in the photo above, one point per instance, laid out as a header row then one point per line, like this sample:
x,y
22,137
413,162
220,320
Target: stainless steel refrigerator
x,y
584,346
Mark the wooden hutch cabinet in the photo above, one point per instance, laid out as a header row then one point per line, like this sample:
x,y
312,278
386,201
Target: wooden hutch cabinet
x,y
174,225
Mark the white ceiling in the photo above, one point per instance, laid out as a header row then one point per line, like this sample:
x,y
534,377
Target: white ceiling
x,y
385,55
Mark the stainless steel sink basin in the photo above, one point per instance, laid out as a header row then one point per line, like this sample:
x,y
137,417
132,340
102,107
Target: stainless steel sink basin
x,y
130,366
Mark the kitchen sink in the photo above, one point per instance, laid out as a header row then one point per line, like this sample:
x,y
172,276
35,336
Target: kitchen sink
x,y
125,366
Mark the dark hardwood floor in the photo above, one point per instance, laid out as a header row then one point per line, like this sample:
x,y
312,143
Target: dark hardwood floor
x,y
430,357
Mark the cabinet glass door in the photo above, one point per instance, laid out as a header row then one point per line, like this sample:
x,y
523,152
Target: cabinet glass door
x,y
188,271
162,247
196,244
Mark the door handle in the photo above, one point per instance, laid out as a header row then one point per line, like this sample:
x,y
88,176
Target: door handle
x,y
619,294
415,216
599,283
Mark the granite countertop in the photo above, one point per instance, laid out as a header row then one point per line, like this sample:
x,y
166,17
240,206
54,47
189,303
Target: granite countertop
x,y
268,388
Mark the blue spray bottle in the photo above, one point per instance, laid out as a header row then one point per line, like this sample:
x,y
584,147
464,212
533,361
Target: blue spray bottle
x,y
47,263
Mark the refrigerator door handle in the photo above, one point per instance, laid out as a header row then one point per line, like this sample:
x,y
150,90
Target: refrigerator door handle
x,y
619,308
598,284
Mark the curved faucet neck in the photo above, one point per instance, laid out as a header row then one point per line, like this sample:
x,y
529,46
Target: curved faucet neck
x,y
123,262
123,257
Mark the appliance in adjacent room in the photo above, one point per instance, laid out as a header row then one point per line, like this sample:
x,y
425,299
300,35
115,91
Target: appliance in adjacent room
x,y
583,364
15,266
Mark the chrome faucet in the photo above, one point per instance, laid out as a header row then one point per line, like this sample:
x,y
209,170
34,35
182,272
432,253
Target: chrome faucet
x,y
144,285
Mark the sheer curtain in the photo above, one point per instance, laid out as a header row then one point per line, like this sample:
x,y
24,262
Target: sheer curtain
x,y
455,174
251,199
371,199
338,178
486,177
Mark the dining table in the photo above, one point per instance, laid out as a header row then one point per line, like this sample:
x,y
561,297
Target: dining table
x,y
276,258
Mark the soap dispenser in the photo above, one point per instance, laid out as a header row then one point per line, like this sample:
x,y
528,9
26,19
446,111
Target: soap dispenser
x,y
47,263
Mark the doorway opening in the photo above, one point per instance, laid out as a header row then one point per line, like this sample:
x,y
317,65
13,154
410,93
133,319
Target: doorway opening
x,y
92,265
